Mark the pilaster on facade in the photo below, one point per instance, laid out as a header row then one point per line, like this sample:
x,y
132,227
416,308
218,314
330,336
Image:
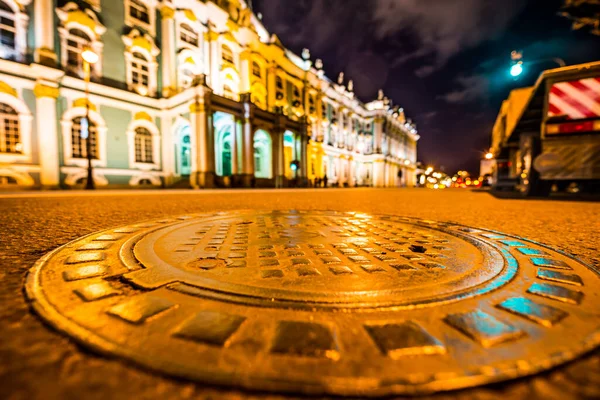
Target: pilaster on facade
x,y
169,79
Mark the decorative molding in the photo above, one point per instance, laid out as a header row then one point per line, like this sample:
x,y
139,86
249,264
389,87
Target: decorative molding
x,y
189,14
6,88
166,12
143,115
41,90
22,178
197,108
70,14
84,103
136,39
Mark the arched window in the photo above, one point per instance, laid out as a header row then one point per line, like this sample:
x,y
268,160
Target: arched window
x,y
77,40
256,71
143,146
262,155
279,83
8,30
10,134
139,70
188,35
79,144
138,11
227,54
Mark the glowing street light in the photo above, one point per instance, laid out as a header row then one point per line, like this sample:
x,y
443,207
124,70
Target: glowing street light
x,y
90,56
516,69
489,156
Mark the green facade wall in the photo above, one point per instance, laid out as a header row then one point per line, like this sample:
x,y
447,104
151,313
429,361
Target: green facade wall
x,y
113,65
116,136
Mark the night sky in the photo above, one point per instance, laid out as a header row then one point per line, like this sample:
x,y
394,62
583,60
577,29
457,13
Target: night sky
x,y
444,61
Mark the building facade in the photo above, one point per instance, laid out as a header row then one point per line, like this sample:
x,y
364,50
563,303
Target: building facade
x,y
185,93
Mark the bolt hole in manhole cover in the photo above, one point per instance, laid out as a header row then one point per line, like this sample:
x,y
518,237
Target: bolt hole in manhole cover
x,y
321,302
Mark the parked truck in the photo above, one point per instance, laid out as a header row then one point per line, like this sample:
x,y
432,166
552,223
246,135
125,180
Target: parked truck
x,y
547,137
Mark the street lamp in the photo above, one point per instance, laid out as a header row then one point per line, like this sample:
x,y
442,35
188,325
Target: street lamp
x,y
489,156
89,58
518,67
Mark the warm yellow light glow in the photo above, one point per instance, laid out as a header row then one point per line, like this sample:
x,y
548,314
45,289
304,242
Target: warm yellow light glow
x,y
89,56
406,162
141,89
489,156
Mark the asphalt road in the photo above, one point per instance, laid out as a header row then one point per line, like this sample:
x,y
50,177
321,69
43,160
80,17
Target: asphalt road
x,y
39,363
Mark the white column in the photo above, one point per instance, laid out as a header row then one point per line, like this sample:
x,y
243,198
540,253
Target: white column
x,y
280,157
167,146
198,143
304,156
47,134
44,30
378,121
271,74
351,180
248,159
245,71
234,146
169,67
215,61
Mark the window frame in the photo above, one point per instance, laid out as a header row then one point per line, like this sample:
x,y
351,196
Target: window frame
x,y
257,70
229,52
82,143
8,121
151,128
132,21
20,21
25,118
185,29
144,153
66,123
134,44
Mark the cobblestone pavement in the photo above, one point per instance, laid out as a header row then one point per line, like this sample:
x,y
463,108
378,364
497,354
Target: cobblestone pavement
x,y
39,363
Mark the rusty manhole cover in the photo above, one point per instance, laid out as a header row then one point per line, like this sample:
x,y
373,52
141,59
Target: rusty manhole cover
x,y
321,302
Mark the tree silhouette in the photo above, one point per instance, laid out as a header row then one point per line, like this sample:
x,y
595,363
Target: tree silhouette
x,y
583,13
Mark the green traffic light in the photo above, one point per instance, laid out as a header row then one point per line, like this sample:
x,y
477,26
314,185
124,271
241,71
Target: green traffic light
x,y
516,70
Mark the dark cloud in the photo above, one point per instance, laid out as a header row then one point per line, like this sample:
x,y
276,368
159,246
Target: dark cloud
x,y
443,28
471,88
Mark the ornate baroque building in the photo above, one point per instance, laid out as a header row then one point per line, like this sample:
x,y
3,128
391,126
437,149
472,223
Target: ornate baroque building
x,y
185,92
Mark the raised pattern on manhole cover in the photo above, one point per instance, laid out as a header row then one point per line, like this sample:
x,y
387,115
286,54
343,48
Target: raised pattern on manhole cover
x,y
321,302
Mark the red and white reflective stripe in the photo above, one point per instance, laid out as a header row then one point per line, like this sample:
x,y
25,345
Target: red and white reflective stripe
x,y
576,99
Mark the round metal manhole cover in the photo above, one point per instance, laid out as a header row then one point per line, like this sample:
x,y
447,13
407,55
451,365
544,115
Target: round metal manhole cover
x,y
321,302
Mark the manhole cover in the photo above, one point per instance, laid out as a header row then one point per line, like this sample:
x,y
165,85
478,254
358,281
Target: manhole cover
x,y
321,302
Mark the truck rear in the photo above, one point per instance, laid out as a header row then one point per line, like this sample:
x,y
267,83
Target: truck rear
x,y
555,141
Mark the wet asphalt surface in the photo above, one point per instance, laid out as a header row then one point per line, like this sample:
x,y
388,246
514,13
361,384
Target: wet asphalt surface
x,y
40,363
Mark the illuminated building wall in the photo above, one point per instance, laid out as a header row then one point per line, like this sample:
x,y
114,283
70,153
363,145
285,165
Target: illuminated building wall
x,y
185,92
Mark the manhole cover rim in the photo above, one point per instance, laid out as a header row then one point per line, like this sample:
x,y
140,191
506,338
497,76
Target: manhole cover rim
x,y
89,338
